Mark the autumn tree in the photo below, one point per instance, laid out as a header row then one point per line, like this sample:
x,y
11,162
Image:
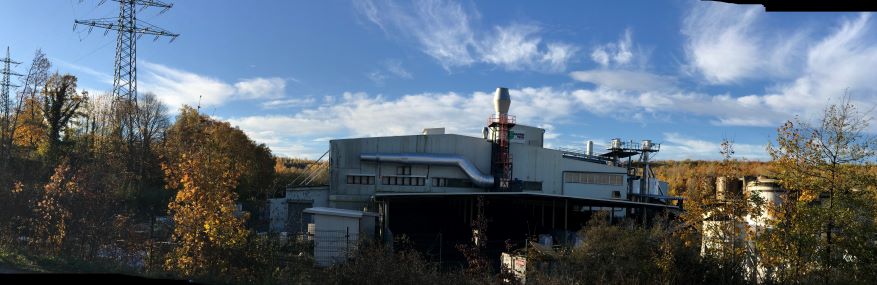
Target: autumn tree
x,y
203,165
13,115
826,227
53,210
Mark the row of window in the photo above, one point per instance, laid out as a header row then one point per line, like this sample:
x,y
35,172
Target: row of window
x,y
409,181
397,180
568,177
360,179
593,178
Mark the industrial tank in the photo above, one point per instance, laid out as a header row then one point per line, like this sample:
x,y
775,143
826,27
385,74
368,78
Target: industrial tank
x,y
770,191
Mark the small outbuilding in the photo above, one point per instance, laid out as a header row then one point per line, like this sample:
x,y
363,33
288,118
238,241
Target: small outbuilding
x,y
337,232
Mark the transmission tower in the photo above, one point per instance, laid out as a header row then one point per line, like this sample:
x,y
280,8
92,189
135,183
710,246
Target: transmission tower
x,y
5,137
128,29
5,84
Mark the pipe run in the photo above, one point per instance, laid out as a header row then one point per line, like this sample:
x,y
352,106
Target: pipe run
x,y
478,178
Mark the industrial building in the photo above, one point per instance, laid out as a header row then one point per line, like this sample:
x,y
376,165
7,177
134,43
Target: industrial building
x,y
429,186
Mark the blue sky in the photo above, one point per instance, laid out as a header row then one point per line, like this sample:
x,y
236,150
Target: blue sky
x,y
294,74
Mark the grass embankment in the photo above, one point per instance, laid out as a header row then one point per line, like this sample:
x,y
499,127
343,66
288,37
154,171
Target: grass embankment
x,y
24,261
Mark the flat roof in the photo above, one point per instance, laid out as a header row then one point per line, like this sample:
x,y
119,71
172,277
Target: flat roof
x,y
598,201
338,212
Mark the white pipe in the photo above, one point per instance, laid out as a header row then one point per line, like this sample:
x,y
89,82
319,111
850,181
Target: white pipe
x,y
478,178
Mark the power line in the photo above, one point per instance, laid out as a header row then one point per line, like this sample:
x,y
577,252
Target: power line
x,y
128,29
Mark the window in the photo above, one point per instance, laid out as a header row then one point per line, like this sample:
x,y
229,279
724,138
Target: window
x,y
360,179
593,178
403,170
409,181
451,182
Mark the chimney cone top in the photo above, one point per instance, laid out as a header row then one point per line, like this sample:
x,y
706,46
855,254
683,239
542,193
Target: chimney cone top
x,y
501,101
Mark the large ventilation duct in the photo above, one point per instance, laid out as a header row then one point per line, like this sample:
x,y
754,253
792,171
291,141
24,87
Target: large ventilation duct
x,y
478,178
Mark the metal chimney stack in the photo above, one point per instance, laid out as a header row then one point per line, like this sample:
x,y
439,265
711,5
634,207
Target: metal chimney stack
x,y
501,101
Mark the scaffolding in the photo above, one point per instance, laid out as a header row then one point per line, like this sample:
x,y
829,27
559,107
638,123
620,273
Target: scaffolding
x,y
500,125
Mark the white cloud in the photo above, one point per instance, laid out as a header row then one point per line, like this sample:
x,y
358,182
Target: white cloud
x,y
720,109
679,147
440,27
177,87
725,44
518,47
257,88
617,54
446,31
363,115
841,59
287,103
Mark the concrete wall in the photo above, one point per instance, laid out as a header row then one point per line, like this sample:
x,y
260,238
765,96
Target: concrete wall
x,y
278,208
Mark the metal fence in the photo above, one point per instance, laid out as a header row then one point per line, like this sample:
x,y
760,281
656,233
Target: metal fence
x,y
331,247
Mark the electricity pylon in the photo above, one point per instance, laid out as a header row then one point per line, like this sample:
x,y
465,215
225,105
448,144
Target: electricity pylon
x,y
129,29
5,133
4,87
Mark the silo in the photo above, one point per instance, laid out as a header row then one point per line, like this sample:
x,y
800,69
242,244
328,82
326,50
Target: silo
x,y
769,190
728,187
615,144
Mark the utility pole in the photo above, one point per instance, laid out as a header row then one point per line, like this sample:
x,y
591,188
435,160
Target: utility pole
x,y
128,29
4,96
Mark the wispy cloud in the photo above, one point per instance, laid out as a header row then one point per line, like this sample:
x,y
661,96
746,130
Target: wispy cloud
x,y
259,88
725,44
395,68
840,60
615,54
390,68
177,87
678,147
100,76
446,31
518,47
288,103
363,115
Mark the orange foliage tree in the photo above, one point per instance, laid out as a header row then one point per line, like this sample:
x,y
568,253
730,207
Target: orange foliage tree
x,y
200,165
